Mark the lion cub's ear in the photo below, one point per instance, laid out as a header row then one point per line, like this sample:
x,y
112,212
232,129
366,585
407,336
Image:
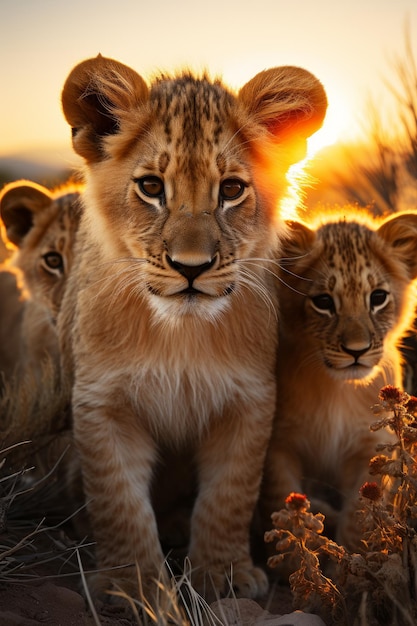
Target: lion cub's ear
x,y
290,102
400,232
298,240
95,96
19,203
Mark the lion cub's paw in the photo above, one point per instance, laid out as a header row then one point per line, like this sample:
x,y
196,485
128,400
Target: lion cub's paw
x,y
241,580
117,587
250,582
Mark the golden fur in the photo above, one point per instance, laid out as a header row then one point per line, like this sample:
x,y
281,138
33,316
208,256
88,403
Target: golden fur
x,y
168,325
347,296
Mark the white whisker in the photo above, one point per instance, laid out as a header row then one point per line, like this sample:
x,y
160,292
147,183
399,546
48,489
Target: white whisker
x,y
238,147
291,259
287,271
277,276
123,278
300,293
278,263
252,280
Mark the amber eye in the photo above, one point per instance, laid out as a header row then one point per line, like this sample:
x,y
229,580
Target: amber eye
x,y
378,299
54,261
231,189
151,186
324,302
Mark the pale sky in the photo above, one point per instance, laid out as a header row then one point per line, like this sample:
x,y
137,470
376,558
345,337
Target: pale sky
x,y
348,45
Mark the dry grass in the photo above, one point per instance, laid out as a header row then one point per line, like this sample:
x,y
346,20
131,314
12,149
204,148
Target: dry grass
x,y
24,540
177,604
31,549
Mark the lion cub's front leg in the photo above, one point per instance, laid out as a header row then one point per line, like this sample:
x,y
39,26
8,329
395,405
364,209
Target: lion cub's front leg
x,y
230,466
117,457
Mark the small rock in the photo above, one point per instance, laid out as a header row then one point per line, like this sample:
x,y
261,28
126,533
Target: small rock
x,y
297,618
243,612
8,618
238,612
64,596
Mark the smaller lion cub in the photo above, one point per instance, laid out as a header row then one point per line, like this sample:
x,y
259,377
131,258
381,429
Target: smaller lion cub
x,y
39,226
168,323
347,297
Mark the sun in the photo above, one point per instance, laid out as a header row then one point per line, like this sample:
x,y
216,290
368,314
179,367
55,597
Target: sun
x,y
338,126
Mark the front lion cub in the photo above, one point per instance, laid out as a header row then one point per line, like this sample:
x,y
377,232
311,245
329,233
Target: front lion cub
x,y
168,325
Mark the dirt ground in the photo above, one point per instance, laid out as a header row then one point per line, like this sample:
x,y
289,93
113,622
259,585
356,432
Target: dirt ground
x,y
40,581
45,602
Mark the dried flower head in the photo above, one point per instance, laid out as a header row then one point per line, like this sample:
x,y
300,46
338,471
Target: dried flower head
x,y
378,464
297,502
411,406
392,395
371,491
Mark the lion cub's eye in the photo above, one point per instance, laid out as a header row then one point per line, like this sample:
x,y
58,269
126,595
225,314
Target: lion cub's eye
x,y
324,303
151,186
231,189
54,261
378,299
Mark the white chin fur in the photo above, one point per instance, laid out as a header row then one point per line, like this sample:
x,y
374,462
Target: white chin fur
x,y
171,308
360,374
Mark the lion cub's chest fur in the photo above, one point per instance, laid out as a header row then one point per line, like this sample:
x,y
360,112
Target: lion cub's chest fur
x,y
326,423
175,374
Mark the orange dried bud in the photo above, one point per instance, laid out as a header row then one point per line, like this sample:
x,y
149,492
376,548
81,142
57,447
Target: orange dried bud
x,y
297,502
379,464
411,406
392,395
371,491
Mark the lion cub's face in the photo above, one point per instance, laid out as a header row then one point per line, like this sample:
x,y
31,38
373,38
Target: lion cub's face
x,y
352,301
178,192
183,205
42,226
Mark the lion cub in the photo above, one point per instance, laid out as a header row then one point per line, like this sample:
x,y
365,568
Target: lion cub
x,y
347,297
168,323
40,225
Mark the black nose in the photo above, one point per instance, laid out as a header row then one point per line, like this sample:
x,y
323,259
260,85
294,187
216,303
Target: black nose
x,y
190,272
356,354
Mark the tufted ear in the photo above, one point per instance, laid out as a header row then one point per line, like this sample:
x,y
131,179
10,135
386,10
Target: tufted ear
x,y
298,240
95,96
19,203
400,232
290,103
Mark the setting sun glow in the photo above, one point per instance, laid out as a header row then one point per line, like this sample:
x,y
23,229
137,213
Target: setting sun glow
x,y
259,37
337,124
336,127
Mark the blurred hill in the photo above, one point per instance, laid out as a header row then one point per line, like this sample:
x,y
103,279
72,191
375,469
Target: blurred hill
x,y
46,166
